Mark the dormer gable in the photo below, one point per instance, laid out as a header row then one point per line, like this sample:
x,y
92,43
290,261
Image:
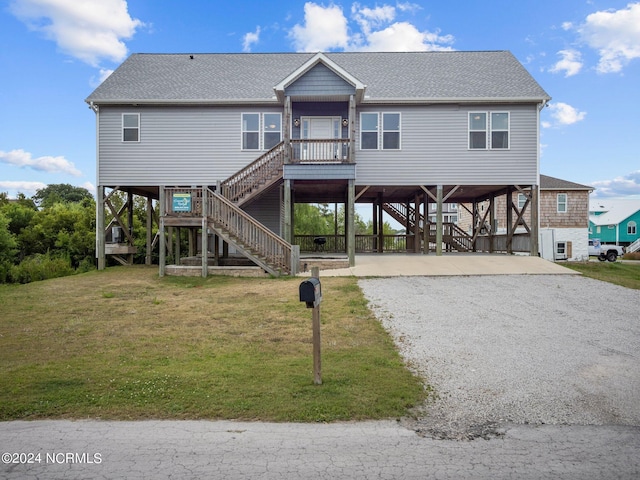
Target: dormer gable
x,y
317,79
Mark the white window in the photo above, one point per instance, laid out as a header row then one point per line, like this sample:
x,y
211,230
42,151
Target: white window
x,y
522,199
499,130
488,130
478,130
379,135
391,131
250,131
562,203
631,228
272,130
561,251
261,131
130,127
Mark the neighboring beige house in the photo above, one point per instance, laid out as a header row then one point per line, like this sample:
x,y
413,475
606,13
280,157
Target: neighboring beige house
x,y
563,218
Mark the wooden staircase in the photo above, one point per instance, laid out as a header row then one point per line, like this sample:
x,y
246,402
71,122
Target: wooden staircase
x,y
399,213
454,237
257,177
250,237
236,227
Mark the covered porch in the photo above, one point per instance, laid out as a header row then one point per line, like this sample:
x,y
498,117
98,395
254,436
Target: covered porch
x,y
409,207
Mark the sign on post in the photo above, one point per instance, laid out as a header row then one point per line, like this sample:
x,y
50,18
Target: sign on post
x,y
181,202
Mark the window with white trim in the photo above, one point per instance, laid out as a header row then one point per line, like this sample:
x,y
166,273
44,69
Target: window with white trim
x,y
522,199
499,130
380,131
250,131
261,131
391,131
562,203
478,130
631,228
272,130
489,130
130,127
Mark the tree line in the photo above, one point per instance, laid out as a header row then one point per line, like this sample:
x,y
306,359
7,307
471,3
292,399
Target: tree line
x,y
48,235
52,233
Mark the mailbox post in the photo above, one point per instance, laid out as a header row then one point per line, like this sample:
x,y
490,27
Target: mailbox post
x,y
311,294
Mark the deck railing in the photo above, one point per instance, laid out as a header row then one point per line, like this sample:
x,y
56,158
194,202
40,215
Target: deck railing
x,y
183,201
332,244
251,234
520,242
364,243
320,151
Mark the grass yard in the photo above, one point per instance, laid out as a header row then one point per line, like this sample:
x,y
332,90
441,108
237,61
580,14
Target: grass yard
x,y
125,344
620,273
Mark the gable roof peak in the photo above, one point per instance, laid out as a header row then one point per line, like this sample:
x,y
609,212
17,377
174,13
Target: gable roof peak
x,y
320,58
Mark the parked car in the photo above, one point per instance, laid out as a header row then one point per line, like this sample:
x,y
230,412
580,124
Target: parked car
x,y
604,251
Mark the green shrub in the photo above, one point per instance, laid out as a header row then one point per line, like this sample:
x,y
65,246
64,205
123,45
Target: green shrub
x,y
40,267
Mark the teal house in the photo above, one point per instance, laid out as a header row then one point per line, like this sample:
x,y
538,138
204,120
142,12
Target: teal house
x,y
615,221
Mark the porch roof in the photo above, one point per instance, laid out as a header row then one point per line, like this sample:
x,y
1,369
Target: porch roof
x,y
389,77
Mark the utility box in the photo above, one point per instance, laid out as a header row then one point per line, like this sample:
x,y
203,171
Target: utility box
x,y
311,292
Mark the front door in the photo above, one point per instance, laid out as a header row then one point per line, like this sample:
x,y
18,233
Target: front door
x,y
322,131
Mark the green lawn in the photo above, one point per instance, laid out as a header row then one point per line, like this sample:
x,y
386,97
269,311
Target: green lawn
x,y
620,273
125,344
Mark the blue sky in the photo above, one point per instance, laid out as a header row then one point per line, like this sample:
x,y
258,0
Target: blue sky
x,y
585,54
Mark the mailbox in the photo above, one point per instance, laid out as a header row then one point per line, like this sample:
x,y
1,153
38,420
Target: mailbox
x,y
311,292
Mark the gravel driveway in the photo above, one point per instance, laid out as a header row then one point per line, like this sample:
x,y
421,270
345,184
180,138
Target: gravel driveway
x,y
515,349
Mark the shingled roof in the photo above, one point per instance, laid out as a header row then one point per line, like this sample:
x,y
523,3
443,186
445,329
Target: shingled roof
x,y
495,76
552,183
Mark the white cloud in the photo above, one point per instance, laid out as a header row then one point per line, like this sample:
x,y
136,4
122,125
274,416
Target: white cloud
x,y
625,186
28,188
325,28
405,37
615,34
408,7
563,114
89,186
571,63
249,39
22,159
89,30
369,18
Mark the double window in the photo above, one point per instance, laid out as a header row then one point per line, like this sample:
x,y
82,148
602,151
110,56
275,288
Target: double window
x,y
488,130
631,228
379,131
130,127
261,131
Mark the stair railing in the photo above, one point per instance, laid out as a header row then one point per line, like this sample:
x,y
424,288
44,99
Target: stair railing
x,y
251,234
634,247
255,175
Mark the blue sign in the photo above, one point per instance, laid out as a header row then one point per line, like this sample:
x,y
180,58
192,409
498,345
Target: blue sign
x,y
181,202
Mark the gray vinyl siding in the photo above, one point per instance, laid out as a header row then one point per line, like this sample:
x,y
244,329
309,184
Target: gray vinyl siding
x,y
319,172
320,80
201,145
434,149
178,145
266,209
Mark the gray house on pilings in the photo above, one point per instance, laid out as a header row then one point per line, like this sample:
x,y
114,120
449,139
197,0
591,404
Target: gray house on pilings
x,y
225,145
